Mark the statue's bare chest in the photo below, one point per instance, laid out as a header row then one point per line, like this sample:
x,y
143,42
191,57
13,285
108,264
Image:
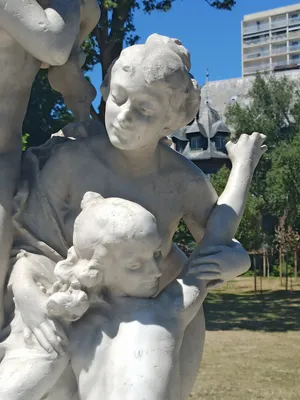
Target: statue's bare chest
x,y
157,193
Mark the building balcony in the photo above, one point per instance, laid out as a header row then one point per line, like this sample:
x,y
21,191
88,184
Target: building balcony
x,y
257,54
283,63
294,34
294,47
256,42
278,38
256,28
294,21
257,68
278,23
279,50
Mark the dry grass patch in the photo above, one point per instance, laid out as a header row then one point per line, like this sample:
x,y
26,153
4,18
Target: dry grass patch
x,y
252,349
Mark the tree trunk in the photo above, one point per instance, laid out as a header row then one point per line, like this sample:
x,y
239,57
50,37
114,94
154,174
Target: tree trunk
x,y
280,265
296,263
264,264
254,268
286,272
268,267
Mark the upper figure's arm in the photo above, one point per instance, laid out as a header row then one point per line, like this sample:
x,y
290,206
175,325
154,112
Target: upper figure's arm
x,y
56,175
199,200
89,18
48,34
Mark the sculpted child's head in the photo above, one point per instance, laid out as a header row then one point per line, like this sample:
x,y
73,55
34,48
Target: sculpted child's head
x,y
149,93
115,244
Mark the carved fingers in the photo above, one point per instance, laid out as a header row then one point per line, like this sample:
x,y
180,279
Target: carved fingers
x,y
248,149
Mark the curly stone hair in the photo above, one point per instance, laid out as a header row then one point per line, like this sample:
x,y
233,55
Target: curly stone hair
x,y
163,61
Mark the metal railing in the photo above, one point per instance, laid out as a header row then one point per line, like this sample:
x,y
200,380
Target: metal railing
x,y
256,68
256,28
255,42
275,38
294,47
278,23
284,62
294,34
258,54
279,50
293,21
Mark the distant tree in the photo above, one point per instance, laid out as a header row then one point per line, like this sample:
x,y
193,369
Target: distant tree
x,y
250,231
222,4
116,29
274,109
184,239
46,112
282,185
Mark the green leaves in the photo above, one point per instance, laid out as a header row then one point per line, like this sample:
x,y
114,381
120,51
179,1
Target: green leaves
x,y
222,4
274,110
249,233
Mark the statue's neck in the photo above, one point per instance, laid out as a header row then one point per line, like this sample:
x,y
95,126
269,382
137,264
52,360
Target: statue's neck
x,y
139,162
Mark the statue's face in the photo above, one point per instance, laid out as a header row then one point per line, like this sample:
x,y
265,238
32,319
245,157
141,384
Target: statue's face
x,y
131,266
135,112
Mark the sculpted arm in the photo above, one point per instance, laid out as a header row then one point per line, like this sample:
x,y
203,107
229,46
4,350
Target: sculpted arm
x,y
31,276
47,34
69,79
222,221
226,215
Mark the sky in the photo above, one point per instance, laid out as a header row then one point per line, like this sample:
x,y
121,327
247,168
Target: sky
x,y
212,36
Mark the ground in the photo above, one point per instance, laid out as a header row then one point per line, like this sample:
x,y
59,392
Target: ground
x,y
252,349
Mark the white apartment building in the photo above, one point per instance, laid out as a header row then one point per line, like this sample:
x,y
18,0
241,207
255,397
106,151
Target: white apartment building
x,y
271,40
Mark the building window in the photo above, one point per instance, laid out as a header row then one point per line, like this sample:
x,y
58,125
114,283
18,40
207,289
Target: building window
x,y
295,56
198,143
220,142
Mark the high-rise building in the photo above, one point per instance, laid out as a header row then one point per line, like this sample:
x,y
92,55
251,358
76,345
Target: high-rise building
x,y
271,40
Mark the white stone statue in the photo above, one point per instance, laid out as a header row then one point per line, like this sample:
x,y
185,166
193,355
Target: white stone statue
x,y
148,346
31,33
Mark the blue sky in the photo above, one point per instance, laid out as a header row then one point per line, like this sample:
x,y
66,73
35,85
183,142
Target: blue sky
x,y
213,37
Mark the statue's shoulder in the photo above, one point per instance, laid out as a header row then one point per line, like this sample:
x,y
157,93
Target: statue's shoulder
x,y
179,164
96,137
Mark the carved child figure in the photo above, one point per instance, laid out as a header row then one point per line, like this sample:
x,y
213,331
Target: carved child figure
x,y
107,232
116,246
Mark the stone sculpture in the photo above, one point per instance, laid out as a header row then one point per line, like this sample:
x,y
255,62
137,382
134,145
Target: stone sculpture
x,y
136,300
32,33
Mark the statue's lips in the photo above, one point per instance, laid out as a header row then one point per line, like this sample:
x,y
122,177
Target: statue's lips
x,y
119,127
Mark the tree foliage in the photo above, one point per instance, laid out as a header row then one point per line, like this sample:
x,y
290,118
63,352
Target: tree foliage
x,y
274,109
222,4
250,231
46,112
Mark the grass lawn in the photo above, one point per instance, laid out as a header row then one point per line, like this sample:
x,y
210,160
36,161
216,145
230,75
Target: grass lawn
x,y
252,349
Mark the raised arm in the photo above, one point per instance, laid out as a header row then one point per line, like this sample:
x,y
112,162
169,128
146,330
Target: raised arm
x,y
47,34
225,218
221,220
69,79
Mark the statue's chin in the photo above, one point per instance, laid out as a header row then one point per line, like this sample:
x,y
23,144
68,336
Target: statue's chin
x,y
146,291
121,142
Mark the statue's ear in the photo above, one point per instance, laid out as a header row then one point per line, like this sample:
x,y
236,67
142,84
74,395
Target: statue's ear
x,y
90,198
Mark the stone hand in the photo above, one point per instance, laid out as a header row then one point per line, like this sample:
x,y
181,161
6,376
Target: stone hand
x,y
48,332
219,264
247,150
